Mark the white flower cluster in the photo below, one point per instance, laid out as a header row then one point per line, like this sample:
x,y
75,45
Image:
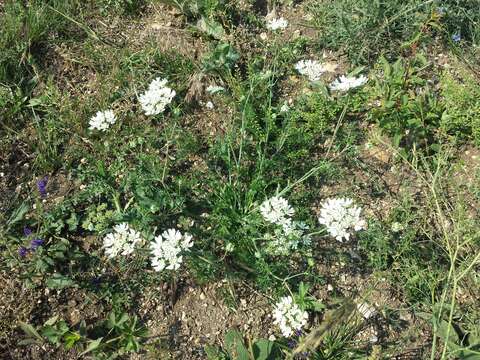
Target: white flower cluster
x,y
397,227
276,210
340,216
284,108
345,83
102,120
157,97
277,24
167,249
311,69
121,241
288,316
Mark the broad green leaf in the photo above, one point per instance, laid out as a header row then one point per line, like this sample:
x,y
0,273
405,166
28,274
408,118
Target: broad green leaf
x,y
213,353
468,354
53,335
211,28
36,102
318,306
262,349
30,330
93,345
444,328
235,345
112,320
124,317
18,214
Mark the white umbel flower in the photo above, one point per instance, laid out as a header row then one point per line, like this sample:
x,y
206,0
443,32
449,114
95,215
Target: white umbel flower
x,y
284,108
157,97
341,217
276,210
102,120
311,69
121,241
345,83
397,227
288,316
277,24
168,249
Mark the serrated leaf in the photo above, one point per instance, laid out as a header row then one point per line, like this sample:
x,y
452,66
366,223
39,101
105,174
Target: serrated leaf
x,y
71,339
93,345
30,330
51,321
53,335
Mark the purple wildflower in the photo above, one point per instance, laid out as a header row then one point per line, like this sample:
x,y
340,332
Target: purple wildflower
x,y
291,343
23,251
27,231
36,243
456,37
42,186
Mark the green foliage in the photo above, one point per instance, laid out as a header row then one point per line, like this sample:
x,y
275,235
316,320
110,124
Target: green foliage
x,y
123,7
307,126
206,171
98,218
406,105
118,335
378,242
460,17
25,32
207,14
461,96
237,349
198,8
366,29
306,301
220,60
